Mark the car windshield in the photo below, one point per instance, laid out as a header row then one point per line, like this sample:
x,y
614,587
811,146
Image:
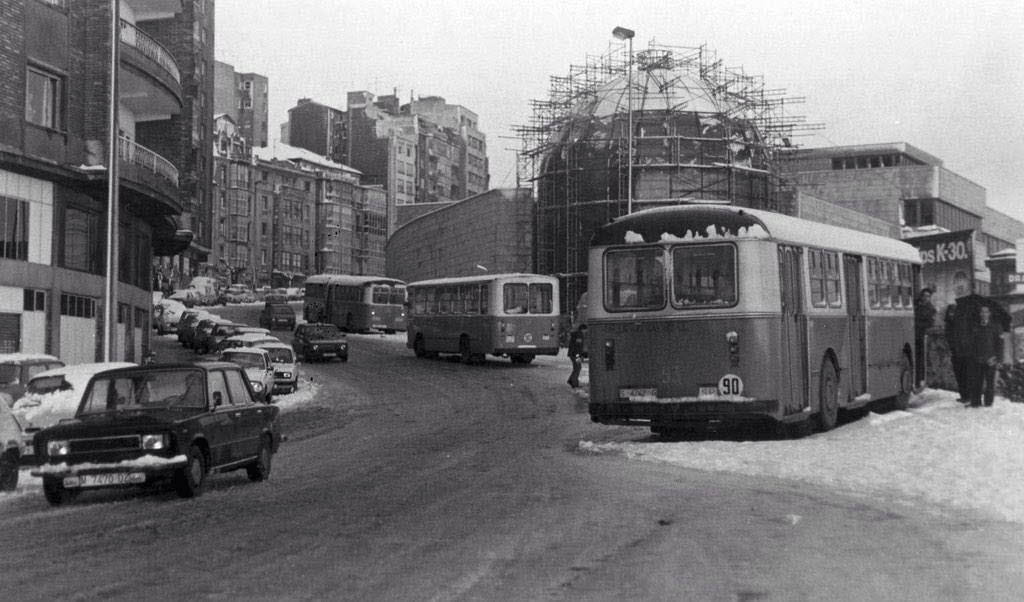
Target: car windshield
x,y
245,360
327,331
48,384
281,356
145,390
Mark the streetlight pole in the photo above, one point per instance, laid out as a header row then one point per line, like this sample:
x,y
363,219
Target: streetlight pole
x,y
622,33
110,290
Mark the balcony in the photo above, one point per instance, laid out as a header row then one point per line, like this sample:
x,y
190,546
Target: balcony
x,y
147,176
150,79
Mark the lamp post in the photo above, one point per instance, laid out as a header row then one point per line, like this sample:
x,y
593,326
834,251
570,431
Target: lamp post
x,y
110,288
622,33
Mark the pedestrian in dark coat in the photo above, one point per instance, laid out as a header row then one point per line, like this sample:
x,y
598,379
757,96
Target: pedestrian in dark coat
x,y
924,319
957,321
986,351
576,341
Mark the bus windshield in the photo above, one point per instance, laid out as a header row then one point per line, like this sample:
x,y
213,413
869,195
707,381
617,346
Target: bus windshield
x,y
521,298
704,276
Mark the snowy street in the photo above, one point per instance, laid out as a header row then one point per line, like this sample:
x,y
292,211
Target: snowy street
x,y
445,481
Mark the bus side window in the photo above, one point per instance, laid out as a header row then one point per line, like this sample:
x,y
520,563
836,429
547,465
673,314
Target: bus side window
x,y
484,299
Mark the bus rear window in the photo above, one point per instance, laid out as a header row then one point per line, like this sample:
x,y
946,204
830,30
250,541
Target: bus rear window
x,y
704,276
634,280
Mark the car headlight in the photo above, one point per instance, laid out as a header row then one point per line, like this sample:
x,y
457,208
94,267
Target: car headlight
x,y
286,375
256,386
154,442
58,447
316,347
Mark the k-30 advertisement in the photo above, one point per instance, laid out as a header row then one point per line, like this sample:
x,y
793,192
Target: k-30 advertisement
x,y
947,265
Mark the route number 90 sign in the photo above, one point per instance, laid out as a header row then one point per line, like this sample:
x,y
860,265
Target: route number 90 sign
x,y
730,385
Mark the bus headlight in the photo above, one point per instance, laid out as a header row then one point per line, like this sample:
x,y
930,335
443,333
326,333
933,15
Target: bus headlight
x,y
58,447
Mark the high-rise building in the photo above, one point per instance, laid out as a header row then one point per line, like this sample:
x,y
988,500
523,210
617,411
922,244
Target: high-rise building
x,y
55,107
244,97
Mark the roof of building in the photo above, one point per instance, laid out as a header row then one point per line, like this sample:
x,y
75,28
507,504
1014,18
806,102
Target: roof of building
x,y
867,149
286,152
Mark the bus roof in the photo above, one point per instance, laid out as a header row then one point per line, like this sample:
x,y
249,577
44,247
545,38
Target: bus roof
x,y
481,278
350,279
720,222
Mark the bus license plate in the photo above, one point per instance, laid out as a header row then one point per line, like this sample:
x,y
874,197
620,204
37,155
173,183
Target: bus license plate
x,y
708,392
105,479
638,394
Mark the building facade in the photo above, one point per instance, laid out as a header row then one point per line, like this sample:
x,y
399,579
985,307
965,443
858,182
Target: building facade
x,y
423,152
245,98
55,60
234,216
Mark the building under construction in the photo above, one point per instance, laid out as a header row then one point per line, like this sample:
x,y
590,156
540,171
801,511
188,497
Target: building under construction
x,y
701,133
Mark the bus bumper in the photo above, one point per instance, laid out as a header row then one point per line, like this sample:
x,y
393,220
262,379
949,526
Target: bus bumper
x,y
668,414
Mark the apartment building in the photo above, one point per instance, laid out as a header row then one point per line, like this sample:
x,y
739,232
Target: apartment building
x,y
245,98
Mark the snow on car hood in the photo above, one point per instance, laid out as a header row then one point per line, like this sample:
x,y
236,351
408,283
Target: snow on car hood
x,y
43,410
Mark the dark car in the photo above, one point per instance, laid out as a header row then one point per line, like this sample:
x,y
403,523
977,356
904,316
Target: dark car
x,y
319,341
162,422
205,340
187,324
276,314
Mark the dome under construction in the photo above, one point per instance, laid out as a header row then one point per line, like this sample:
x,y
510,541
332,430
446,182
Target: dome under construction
x,y
700,133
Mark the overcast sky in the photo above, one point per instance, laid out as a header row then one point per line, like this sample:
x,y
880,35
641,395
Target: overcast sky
x,y
946,77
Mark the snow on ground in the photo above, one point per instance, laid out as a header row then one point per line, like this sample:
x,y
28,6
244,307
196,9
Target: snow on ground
x,y
938,452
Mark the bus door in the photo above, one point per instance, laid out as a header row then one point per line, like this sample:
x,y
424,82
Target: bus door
x,y
793,389
855,311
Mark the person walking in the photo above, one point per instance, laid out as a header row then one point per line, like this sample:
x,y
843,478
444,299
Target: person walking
x,y
924,319
986,351
576,341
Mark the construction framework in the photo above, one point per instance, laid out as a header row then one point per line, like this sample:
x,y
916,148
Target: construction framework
x,y
702,133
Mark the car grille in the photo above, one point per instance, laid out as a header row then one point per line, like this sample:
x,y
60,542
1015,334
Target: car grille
x,y
105,444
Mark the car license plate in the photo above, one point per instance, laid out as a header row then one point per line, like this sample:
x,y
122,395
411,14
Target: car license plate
x,y
707,392
105,479
329,354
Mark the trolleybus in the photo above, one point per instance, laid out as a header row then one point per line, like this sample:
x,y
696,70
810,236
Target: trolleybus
x,y
707,314
511,315
355,303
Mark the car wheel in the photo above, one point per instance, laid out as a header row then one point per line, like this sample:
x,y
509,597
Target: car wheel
x,y
465,351
189,479
55,492
419,347
259,470
828,397
270,396
343,358
8,470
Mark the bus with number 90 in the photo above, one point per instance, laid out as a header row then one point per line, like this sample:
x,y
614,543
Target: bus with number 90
x,y
701,315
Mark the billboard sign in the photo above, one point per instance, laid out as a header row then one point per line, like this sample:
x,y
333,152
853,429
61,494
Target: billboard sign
x,y
947,265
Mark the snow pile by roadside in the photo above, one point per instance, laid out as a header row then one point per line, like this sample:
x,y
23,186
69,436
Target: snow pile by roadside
x,y
938,451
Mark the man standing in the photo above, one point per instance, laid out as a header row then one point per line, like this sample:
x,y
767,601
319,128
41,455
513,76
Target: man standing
x,y
987,348
576,339
924,319
957,335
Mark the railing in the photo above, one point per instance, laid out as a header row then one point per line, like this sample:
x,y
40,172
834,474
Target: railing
x,y
139,155
138,39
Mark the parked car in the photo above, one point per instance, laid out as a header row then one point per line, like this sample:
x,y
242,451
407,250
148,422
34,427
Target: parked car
x,y
164,422
286,367
187,327
248,339
239,293
166,315
204,341
186,296
16,369
258,369
54,395
319,341
277,314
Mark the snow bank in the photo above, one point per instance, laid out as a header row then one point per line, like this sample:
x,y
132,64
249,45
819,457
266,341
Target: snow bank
x,y
938,451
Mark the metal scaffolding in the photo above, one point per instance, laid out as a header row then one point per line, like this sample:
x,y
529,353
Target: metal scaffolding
x,y
702,133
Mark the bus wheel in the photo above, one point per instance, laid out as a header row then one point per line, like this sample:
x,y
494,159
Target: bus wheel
x,y
522,358
349,327
465,351
419,347
828,398
902,399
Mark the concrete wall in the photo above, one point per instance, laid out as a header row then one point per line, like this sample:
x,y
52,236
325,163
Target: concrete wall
x,y
493,230
818,210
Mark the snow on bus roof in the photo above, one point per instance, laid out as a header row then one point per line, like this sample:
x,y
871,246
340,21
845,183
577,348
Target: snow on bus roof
x,y
703,222
351,279
480,278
